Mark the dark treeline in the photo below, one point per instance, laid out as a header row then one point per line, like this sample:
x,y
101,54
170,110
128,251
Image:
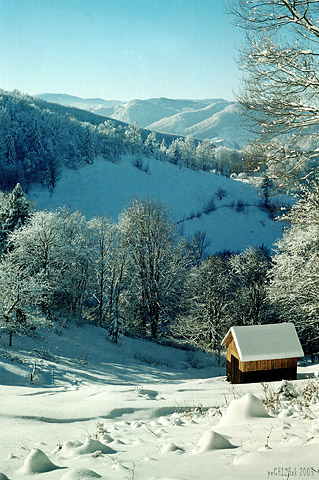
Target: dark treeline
x,y
38,139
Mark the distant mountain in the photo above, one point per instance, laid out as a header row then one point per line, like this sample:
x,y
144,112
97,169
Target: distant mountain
x,y
220,122
215,119
95,105
147,112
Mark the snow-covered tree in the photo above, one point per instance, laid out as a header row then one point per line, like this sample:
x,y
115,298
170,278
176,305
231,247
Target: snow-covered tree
x,y
89,145
156,265
198,246
11,154
50,262
103,240
51,172
151,144
174,152
133,138
250,305
207,297
35,141
205,155
294,285
16,211
115,330
14,290
266,187
280,85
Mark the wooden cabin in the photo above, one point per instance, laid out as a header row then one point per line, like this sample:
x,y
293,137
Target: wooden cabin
x,y
262,353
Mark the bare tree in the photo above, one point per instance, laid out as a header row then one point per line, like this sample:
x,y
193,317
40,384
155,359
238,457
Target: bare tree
x,y
207,296
280,86
157,264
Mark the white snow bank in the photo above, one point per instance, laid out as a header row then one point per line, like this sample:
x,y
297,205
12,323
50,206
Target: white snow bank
x,y
73,449
80,474
250,458
239,411
37,462
170,447
212,441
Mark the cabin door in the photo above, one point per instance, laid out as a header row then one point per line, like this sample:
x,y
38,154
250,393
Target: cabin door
x,y
235,377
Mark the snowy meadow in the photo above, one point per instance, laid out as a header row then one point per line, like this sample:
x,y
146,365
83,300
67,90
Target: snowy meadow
x,y
139,410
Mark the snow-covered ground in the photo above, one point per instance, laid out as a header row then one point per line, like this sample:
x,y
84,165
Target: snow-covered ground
x,y
141,411
105,188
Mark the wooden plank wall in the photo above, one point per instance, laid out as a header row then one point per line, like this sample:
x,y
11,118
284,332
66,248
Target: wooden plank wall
x,y
268,364
231,349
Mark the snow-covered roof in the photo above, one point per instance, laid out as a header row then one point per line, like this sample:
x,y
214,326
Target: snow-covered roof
x,y
266,342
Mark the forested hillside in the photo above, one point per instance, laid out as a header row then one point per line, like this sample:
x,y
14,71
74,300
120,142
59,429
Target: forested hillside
x,y
38,139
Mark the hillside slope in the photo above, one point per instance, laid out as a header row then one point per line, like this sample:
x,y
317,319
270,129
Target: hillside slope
x,y
105,188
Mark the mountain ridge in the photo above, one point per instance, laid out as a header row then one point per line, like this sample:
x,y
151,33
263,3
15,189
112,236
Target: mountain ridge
x,y
214,119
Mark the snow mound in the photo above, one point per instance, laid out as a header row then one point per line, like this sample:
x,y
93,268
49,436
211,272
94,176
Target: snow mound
x,y
37,462
170,447
105,438
80,474
212,441
243,409
73,449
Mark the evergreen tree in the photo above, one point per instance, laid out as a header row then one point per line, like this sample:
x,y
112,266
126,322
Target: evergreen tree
x,y
89,145
35,145
266,187
151,144
115,330
10,150
17,211
51,172
133,138
174,152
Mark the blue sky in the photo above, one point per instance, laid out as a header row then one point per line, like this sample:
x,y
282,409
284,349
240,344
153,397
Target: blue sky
x,y
119,49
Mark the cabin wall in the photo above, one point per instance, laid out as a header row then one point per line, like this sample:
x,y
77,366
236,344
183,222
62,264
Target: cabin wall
x,y
284,369
268,364
265,371
231,351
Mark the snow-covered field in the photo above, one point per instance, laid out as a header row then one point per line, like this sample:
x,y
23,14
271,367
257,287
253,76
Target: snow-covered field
x,y
105,188
141,411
